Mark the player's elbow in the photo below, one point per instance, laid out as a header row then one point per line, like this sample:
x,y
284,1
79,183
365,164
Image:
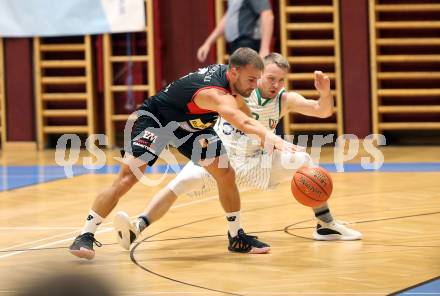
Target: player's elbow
x,y
323,112
326,112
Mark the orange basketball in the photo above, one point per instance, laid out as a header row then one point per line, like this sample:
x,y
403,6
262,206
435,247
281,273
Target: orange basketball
x,y
311,186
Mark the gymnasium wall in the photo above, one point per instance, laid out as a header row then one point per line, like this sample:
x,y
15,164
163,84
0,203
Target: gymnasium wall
x,y
180,28
355,67
19,90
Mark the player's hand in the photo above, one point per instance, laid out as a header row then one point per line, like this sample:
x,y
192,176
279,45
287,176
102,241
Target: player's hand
x,y
322,82
273,142
263,52
278,143
202,52
289,147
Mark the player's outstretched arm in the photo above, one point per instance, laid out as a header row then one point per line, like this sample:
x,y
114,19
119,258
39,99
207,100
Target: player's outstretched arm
x,y
323,107
229,107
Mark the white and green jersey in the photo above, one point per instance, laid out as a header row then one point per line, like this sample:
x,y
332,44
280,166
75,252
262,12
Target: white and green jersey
x,y
266,111
254,169
252,166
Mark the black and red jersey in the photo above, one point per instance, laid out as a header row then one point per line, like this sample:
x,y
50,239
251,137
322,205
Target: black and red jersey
x,y
176,101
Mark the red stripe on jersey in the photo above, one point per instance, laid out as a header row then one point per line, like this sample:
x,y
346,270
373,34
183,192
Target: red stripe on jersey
x,y
192,106
194,109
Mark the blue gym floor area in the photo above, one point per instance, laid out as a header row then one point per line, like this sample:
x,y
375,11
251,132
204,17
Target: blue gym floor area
x,y
13,177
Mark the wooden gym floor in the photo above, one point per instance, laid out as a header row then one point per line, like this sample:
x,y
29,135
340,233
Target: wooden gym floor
x,y
397,209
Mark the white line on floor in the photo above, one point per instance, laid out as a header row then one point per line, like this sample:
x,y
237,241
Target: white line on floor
x,y
42,228
76,231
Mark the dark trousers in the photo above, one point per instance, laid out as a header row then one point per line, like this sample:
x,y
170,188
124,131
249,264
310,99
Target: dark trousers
x,y
244,42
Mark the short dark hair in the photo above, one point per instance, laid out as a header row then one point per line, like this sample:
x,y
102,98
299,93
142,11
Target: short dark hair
x,y
245,56
277,59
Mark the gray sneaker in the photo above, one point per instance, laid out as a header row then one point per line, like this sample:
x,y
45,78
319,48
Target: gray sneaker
x,y
82,246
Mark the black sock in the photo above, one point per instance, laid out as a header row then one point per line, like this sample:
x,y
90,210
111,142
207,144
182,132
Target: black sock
x,y
323,214
143,223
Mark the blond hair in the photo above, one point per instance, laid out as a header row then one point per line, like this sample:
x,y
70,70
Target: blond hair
x,y
277,59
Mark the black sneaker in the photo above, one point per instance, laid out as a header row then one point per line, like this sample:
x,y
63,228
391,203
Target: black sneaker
x,y
82,246
243,243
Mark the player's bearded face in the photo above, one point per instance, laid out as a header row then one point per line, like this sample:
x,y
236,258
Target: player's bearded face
x,y
272,80
242,90
246,82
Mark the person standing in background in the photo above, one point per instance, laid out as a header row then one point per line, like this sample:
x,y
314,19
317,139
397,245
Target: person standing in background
x,y
246,23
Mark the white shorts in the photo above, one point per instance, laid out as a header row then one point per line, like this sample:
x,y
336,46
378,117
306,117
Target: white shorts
x,y
262,172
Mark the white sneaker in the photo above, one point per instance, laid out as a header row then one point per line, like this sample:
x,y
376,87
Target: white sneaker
x,y
335,231
126,231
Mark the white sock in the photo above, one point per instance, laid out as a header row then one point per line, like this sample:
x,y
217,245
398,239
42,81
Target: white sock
x,y
233,223
92,222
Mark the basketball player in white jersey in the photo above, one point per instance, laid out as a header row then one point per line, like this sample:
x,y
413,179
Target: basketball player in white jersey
x,y
254,167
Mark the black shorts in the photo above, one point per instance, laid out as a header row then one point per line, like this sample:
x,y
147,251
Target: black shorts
x,y
150,135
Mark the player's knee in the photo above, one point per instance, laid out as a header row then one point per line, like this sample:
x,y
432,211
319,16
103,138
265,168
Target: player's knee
x,y
128,179
182,185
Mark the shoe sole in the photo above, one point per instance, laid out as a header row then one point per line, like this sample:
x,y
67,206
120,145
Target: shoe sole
x,y
253,251
122,226
83,253
335,237
259,250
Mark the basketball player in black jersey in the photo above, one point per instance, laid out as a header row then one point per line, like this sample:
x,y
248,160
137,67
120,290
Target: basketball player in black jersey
x,y
183,114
